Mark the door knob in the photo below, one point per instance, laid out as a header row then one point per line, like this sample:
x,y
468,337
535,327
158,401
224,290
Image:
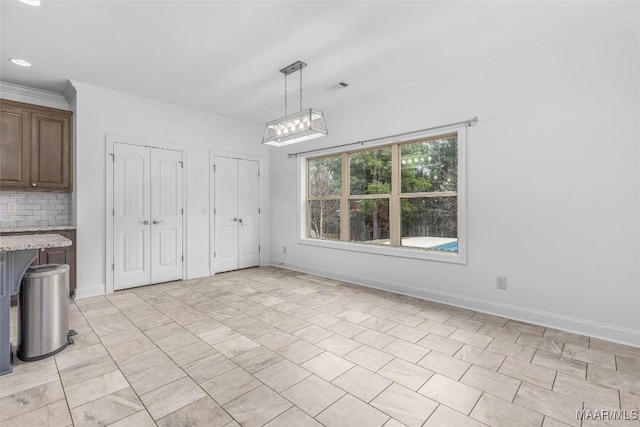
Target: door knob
x,y
157,222
240,221
145,222
34,184
234,219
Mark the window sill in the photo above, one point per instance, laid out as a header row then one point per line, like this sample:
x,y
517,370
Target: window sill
x,y
411,253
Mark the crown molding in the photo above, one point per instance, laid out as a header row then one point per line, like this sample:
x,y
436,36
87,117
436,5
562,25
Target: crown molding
x,y
69,92
81,86
29,95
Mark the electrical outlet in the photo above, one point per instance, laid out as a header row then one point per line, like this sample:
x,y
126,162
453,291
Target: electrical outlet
x,y
284,249
501,283
12,207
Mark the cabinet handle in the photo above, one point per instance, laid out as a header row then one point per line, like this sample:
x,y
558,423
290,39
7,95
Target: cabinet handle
x,y
145,222
157,222
33,184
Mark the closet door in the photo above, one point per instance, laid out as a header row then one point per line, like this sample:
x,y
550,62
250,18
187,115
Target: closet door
x,y
248,214
226,214
132,202
236,214
166,215
147,215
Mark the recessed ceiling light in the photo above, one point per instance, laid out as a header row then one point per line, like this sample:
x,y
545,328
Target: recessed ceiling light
x,y
20,62
31,2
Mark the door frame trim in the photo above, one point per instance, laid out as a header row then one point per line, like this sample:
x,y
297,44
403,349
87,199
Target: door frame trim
x,y
261,170
110,142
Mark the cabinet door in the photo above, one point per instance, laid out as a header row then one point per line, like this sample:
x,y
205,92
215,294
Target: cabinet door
x,y
53,256
51,151
15,147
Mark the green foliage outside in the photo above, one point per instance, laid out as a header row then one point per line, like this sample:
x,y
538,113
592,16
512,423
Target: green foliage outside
x,y
430,166
325,180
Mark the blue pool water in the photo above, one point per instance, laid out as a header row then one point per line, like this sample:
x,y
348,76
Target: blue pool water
x,y
451,247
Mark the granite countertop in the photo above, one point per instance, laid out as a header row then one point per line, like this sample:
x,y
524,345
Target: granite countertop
x,y
32,241
36,228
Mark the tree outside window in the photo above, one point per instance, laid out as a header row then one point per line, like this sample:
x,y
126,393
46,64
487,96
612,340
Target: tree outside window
x,y
360,202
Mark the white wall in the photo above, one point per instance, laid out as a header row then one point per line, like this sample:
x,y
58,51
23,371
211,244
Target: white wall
x,y
100,112
553,186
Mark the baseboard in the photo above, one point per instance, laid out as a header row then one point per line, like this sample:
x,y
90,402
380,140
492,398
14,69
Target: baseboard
x,y
571,324
90,291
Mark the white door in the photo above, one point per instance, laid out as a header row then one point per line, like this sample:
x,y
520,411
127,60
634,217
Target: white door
x,y
225,214
248,214
131,203
148,215
166,215
236,214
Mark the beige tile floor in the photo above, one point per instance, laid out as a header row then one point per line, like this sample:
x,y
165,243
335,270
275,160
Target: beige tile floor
x,y
273,347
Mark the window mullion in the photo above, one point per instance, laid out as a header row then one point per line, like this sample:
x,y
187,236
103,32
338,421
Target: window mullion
x,y
394,201
344,200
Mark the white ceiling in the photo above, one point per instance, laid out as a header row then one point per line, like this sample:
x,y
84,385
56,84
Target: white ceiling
x,y
223,57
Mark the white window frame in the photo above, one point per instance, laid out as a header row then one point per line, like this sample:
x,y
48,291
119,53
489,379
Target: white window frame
x,y
402,252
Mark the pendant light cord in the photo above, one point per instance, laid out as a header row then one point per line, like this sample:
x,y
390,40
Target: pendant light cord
x,y
285,95
300,89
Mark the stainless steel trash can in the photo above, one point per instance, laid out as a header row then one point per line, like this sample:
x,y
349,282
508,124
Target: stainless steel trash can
x,y
43,312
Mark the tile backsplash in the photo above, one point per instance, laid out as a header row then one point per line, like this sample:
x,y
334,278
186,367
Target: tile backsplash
x,y
35,208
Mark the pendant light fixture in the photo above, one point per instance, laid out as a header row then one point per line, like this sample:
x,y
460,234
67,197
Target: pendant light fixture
x,y
297,127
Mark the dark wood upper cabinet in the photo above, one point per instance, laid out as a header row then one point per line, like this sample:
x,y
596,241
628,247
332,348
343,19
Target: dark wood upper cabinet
x,y
15,146
51,151
36,148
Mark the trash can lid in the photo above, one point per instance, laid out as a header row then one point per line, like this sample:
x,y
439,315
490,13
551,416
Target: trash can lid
x,y
45,270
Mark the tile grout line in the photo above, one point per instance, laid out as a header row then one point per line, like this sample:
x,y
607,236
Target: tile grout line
x,y
117,365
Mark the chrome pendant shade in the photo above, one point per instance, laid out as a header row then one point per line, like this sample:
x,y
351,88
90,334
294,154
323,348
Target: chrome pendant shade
x,y
297,127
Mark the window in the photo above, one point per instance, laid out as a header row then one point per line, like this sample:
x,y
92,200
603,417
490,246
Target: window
x,y
324,194
401,199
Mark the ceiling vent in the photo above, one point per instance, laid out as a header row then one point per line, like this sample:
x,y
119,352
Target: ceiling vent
x,y
339,86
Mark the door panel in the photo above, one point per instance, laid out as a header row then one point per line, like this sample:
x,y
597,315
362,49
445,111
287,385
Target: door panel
x,y
248,206
225,214
51,155
166,215
15,147
131,202
133,252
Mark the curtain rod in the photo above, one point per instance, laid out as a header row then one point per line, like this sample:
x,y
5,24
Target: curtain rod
x,y
468,122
